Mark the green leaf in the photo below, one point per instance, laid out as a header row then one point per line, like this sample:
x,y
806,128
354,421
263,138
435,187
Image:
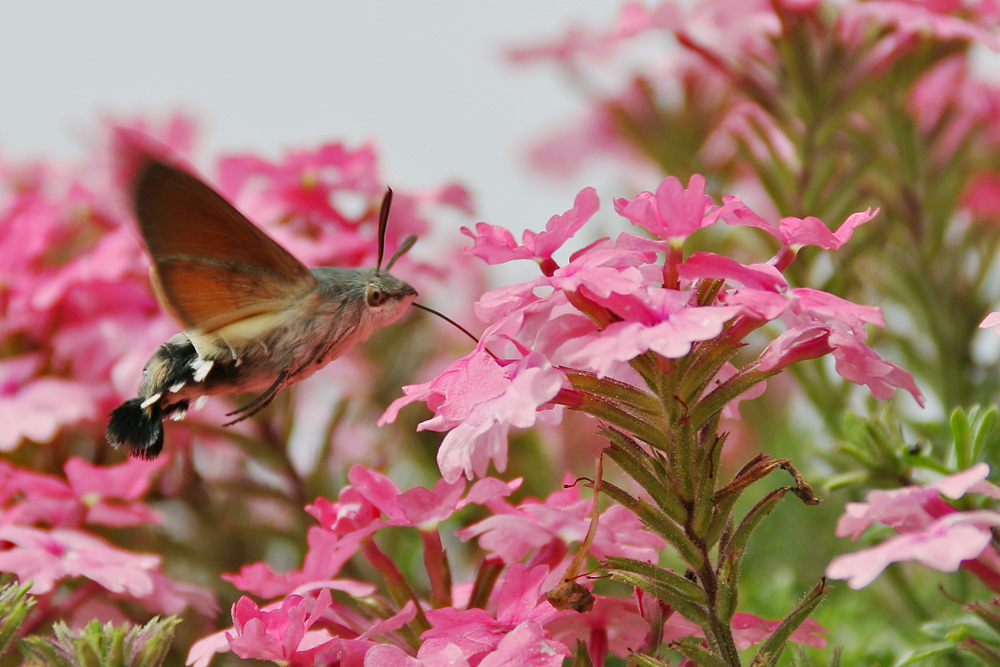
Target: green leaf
x,y
645,661
752,519
659,522
15,605
925,652
960,435
700,655
639,465
582,657
771,648
615,391
691,612
984,430
686,589
99,645
634,421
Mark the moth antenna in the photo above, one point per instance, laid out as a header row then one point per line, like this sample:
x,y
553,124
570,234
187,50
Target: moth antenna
x,y
402,250
452,322
383,221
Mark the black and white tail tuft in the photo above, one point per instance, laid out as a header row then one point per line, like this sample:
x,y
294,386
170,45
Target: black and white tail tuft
x,y
138,428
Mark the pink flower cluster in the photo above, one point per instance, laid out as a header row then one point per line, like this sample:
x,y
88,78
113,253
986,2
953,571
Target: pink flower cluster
x,y
512,623
729,61
45,539
930,530
78,319
616,300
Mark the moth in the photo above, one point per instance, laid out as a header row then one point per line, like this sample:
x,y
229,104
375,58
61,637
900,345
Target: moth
x,y
256,319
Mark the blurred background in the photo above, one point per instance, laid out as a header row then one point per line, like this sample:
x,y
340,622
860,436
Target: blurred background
x,y
428,82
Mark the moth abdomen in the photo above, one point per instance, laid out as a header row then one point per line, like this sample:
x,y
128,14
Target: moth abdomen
x,y
138,428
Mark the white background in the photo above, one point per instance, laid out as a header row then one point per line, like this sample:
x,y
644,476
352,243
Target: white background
x,y
427,80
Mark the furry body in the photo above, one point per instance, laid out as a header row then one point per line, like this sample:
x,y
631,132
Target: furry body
x,y
261,354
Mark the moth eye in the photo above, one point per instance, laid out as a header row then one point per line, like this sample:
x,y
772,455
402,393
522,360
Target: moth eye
x,y
375,296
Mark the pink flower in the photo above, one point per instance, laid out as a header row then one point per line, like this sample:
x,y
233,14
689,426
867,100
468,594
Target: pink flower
x,y
280,633
991,321
930,531
748,630
982,197
496,245
417,507
111,493
668,327
821,323
796,232
550,526
528,645
47,557
943,545
324,558
477,399
36,408
908,19
303,183
94,494
613,627
387,655
477,632
672,213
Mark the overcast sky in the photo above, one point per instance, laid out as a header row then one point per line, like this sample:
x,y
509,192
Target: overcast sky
x,y
427,80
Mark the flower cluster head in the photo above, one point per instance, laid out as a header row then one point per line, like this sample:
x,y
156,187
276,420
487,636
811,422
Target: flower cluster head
x,y
620,311
45,530
929,530
316,616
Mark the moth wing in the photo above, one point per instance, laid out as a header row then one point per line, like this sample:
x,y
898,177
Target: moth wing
x,y
211,265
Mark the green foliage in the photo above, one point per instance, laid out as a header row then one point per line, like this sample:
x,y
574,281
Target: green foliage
x,y
98,645
15,605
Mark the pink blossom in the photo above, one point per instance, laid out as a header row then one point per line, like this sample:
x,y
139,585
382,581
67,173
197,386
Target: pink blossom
x,y
302,184
943,545
855,361
496,245
909,19
614,626
672,338
324,558
673,212
982,197
111,493
913,507
477,632
930,531
991,321
528,645
387,655
280,634
550,526
37,408
709,265
794,232
601,273
417,507
107,495
477,399
47,557
748,630
286,632
821,323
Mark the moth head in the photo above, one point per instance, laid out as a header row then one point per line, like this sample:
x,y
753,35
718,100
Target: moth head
x,y
387,297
